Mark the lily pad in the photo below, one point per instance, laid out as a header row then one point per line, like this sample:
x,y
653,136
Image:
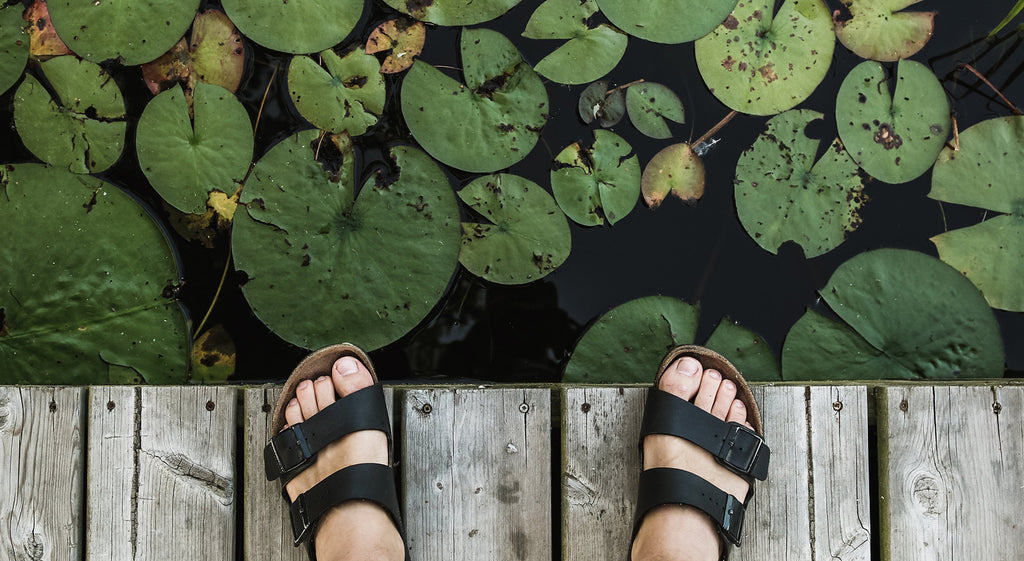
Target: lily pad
x,y
187,159
666,21
746,350
213,356
372,268
44,39
878,30
895,138
404,38
135,31
599,183
309,26
524,236
453,12
675,170
214,54
649,105
14,46
782,194
84,282
487,124
762,65
589,54
599,102
907,315
986,172
82,129
348,96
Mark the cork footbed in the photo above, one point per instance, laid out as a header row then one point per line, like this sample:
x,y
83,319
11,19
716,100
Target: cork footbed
x,y
312,367
711,359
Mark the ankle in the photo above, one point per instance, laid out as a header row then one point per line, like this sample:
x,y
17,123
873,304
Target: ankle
x,y
677,533
356,531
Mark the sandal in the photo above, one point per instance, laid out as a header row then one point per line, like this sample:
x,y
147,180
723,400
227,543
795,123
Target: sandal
x,y
733,445
291,450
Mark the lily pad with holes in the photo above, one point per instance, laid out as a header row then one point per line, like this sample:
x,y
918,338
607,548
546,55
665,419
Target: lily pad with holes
x,y
675,170
300,27
82,297
14,46
487,124
45,41
215,54
894,137
762,64
666,21
782,194
403,38
878,30
371,267
599,183
522,237
186,159
81,129
649,105
134,31
589,53
347,96
453,12
598,102
986,173
746,350
907,315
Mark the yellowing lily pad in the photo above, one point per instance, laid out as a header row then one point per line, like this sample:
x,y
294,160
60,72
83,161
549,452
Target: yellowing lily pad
x,y
762,64
878,30
523,236
650,104
45,41
589,53
675,170
347,96
14,46
404,38
214,54
597,184
453,12
666,21
298,26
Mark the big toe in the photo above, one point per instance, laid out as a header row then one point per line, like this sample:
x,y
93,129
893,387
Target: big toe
x,y
350,375
682,378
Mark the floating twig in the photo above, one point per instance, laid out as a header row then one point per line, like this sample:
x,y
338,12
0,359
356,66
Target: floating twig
x,y
989,84
715,128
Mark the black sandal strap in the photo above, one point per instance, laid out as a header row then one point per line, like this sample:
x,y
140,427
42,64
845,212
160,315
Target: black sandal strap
x,y
295,447
733,445
662,486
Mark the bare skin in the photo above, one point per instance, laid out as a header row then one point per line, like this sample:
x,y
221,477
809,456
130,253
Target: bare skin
x,y
354,530
679,532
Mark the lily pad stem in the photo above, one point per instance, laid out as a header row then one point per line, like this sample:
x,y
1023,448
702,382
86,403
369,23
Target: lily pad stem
x,y
216,295
989,84
715,128
624,86
264,100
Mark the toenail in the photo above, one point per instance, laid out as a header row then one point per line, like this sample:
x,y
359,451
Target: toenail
x,y
714,375
728,384
321,379
304,384
687,367
347,366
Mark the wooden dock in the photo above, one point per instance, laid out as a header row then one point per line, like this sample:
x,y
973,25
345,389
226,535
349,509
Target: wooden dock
x,y
897,472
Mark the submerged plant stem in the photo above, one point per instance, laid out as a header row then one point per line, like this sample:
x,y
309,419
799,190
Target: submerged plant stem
x,y
264,100
989,84
216,295
624,86
715,128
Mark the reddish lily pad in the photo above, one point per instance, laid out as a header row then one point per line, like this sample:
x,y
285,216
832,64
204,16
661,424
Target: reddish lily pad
x,y
403,37
675,170
878,30
45,41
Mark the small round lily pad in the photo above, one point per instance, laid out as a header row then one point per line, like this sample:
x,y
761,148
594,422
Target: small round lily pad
x,y
83,129
589,53
523,237
347,96
675,170
878,30
759,64
14,46
649,105
597,184
184,158
782,194
453,12
487,124
666,21
300,27
82,296
907,315
597,102
896,137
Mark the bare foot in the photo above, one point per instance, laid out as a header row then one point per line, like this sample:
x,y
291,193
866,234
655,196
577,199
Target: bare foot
x,y
354,529
682,532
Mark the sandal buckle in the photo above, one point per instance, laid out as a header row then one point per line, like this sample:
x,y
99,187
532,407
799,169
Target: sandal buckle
x,y
281,460
740,449
300,519
732,519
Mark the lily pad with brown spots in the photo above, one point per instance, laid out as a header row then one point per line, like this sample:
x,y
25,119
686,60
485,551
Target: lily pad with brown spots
x,y
666,21
402,39
878,30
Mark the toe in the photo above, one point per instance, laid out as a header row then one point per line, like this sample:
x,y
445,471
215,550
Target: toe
x,y
350,375
307,398
723,399
737,413
324,391
292,413
682,378
708,389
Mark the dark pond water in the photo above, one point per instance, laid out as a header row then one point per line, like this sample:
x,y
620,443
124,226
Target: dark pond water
x,y
698,253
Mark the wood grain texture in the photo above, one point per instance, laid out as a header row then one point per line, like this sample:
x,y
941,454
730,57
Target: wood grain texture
x,y
111,473
952,474
41,473
476,474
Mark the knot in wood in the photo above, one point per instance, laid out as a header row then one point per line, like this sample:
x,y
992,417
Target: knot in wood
x,y
927,493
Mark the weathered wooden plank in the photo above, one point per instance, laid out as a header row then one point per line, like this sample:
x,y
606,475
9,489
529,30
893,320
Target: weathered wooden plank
x,y
110,533
951,472
41,473
476,474
267,533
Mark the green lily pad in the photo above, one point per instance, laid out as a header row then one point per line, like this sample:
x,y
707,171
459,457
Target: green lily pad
x,y
907,315
675,170
589,54
895,138
82,129
300,27
599,183
627,344
598,102
487,124
371,268
524,237
348,96
746,350
761,65
83,284
782,194
649,105
14,46
136,31
985,172
666,21
878,30
214,54
187,159
453,12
